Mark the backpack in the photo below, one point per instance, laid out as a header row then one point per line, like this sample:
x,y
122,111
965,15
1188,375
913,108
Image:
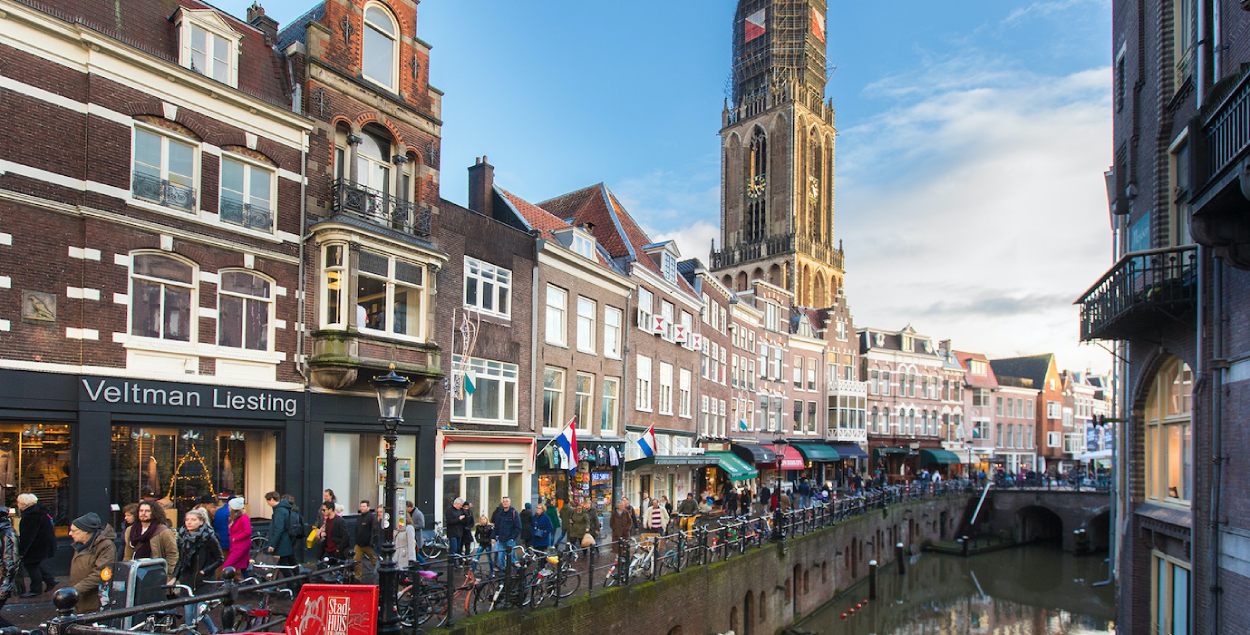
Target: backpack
x,y
295,525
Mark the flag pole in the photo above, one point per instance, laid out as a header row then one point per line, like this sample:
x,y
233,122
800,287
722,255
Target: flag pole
x,y
556,436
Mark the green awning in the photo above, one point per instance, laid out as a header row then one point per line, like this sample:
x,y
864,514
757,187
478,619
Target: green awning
x,y
736,468
883,451
818,452
671,461
940,457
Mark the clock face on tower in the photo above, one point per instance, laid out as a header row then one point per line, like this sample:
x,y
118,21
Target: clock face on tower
x,y
755,189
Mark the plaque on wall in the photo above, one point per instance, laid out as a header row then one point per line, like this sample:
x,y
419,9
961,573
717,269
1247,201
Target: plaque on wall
x,y
38,306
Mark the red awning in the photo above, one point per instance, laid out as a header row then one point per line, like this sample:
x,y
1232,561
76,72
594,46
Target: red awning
x,y
791,459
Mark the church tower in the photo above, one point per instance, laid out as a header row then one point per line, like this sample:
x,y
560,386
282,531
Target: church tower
x,y
777,155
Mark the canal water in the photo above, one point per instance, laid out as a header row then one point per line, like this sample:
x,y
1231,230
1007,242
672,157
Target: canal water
x,y
1032,590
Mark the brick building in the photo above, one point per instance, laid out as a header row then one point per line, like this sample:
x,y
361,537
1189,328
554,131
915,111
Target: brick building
x,y
153,170
847,392
1174,302
1039,373
981,389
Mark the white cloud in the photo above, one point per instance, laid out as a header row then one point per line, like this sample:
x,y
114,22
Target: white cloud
x,y
1045,8
693,240
975,207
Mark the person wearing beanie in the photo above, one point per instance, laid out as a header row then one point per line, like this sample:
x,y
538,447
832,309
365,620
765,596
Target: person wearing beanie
x,y
93,552
239,555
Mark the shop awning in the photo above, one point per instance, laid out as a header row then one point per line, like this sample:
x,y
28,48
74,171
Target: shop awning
x,y
818,452
692,460
755,453
940,457
888,451
850,450
791,459
736,468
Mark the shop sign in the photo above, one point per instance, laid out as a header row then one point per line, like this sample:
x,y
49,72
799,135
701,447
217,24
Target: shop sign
x,y
334,609
138,393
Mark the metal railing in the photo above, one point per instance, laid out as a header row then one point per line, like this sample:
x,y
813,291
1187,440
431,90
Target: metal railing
x,y
748,252
1157,281
162,191
1226,131
246,214
381,208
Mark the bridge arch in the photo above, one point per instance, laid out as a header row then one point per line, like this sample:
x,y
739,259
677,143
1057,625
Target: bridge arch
x,y
1097,530
1036,523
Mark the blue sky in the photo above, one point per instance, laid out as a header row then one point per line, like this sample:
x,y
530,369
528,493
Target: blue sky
x,y
972,139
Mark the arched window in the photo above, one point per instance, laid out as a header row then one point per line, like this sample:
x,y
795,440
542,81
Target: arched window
x,y
380,55
162,292
373,161
244,310
815,168
1169,440
756,187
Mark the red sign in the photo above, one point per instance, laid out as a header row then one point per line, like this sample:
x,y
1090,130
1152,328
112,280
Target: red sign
x,y
334,609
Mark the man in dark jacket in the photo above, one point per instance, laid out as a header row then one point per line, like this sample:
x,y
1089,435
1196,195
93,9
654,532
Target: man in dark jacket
x,y
366,528
527,521
458,523
280,543
507,523
335,541
37,543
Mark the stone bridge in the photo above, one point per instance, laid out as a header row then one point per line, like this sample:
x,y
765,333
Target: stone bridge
x,y
1038,514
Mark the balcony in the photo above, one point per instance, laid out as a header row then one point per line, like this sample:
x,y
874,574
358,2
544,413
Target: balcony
x,y
851,435
750,252
822,252
257,217
1220,169
1142,290
163,192
347,360
381,208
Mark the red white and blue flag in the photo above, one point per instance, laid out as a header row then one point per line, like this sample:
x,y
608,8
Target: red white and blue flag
x,y
818,24
647,442
754,26
567,442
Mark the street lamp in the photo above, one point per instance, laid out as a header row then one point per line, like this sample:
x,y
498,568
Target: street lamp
x,y
778,449
392,389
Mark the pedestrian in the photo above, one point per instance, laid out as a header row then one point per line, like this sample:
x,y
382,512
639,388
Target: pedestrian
x,y
36,544
731,501
199,555
553,515
93,552
483,532
541,532
744,502
366,529
10,560
221,524
406,544
655,519
240,526
149,537
416,519
527,521
576,521
622,522
507,522
458,524
280,543
130,515
335,542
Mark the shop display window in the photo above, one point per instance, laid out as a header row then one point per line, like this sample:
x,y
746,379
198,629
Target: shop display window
x,y
354,467
35,458
177,466
483,482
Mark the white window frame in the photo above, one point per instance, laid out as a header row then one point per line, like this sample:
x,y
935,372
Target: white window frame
x,y
194,302
666,389
556,316
584,423
391,282
646,302
582,246
610,404
683,393
480,275
249,165
166,137
557,411
642,387
586,318
245,298
390,83
613,323
484,370
668,267
211,24
344,268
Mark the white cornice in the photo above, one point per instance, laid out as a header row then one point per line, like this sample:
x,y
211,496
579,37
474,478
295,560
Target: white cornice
x,y
558,257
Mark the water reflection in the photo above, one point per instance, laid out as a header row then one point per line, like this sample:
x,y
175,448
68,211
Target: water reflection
x,y
1035,590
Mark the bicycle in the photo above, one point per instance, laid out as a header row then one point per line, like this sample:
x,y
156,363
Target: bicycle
x,y
639,564
554,576
437,545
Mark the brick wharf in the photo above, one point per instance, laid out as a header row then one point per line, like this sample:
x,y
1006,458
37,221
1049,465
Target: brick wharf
x,y
135,393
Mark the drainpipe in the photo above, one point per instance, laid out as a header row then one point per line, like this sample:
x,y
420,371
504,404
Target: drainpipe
x,y
301,303
1218,369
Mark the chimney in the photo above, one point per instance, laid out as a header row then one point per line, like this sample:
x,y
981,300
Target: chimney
x,y
944,346
265,24
482,186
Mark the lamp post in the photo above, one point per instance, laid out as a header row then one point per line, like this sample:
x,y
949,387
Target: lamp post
x,y
778,449
392,389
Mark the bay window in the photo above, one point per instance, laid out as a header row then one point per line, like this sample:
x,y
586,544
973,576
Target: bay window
x,y
333,281
390,295
244,311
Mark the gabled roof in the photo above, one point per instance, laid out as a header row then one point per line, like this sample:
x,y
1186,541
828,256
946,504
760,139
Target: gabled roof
x,y
546,223
297,30
1032,367
988,380
147,25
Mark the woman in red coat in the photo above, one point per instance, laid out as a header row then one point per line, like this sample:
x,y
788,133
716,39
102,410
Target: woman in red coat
x,y
240,537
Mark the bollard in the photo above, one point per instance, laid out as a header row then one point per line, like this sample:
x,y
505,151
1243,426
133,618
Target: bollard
x,y
872,579
590,571
681,549
898,555
655,557
964,545
450,590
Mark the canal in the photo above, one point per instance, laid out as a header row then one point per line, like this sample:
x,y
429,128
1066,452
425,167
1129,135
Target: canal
x,y
1031,590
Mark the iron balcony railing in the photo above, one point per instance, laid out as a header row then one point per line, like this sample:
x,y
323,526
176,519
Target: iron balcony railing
x,y
246,214
1141,289
1226,132
161,191
821,251
381,208
752,251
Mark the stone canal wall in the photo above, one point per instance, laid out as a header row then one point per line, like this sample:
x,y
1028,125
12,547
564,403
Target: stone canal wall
x,y
759,592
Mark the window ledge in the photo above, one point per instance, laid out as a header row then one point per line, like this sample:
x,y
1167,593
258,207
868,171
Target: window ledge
x,y
505,317
205,217
485,422
157,345
586,351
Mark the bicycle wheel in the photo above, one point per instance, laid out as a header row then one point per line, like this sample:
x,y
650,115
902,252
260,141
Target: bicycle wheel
x,y
487,596
432,551
572,582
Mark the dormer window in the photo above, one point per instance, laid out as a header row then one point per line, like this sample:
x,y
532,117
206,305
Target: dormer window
x,y
668,267
584,246
379,56
209,45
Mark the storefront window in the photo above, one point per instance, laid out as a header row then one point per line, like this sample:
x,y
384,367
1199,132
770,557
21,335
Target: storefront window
x,y
483,482
353,466
35,458
176,466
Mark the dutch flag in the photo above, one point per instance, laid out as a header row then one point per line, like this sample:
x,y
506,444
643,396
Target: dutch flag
x,y
567,442
647,442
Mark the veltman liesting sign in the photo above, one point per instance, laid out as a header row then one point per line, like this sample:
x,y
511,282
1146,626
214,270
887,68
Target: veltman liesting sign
x,y
143,394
